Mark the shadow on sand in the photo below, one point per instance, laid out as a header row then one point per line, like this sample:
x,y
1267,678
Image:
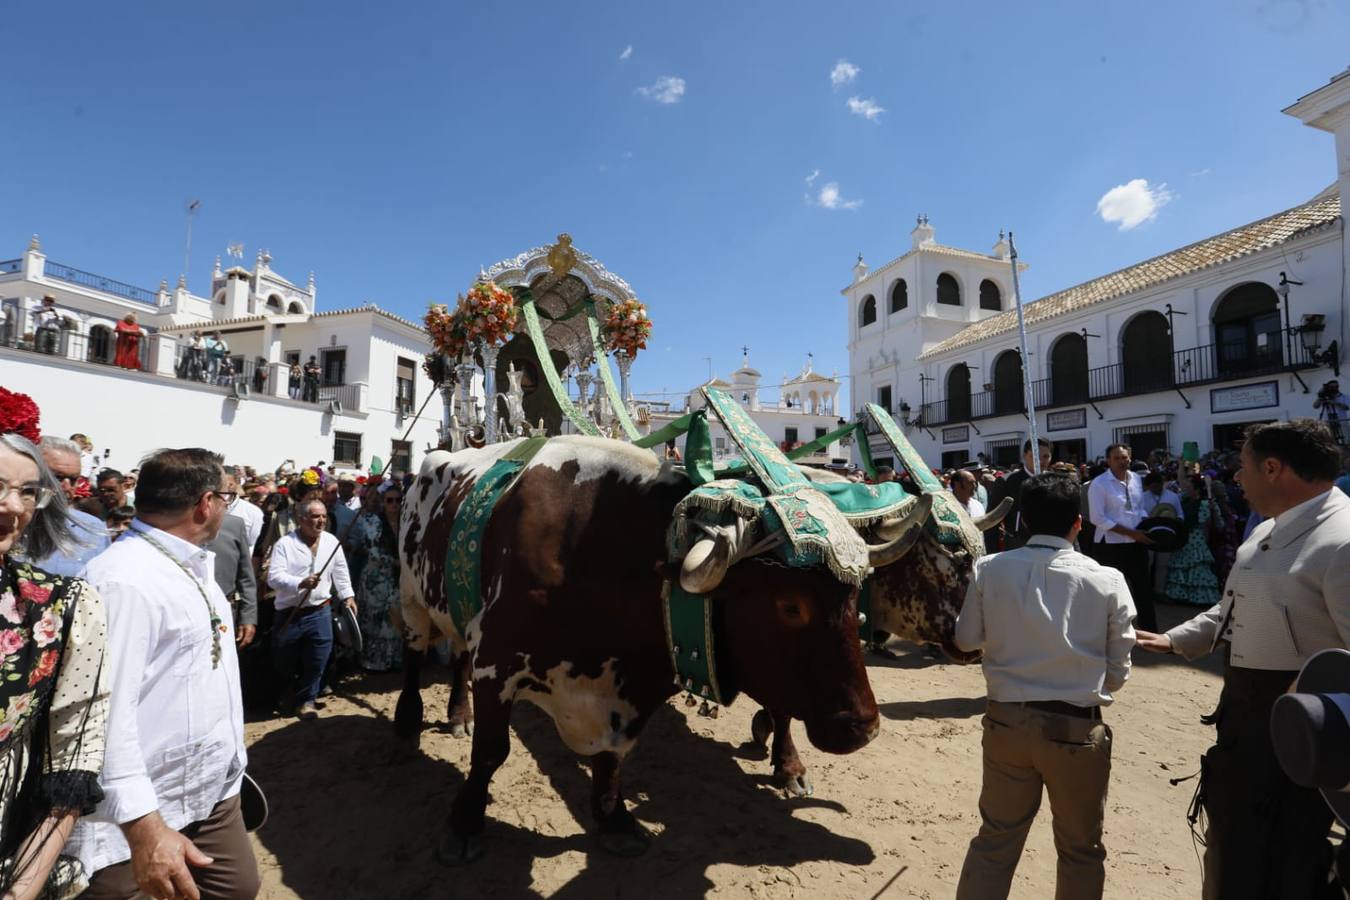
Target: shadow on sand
x,y
354,815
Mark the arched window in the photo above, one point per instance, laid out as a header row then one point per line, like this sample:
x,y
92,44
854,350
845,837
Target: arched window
x,y
1247,330
958,393
1068,370
948,291
296,309
867,313
990,296
274,302
100,344
1146,353
1008,396
899,295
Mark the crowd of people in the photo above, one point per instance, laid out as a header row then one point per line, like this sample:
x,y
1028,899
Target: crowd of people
x,y
141,611
122,753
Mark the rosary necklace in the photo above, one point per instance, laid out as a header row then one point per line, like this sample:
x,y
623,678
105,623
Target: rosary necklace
x,y
217,626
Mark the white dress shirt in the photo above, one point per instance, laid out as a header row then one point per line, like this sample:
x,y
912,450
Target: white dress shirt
x,y
292,563
253,520
1151,500
1053,624
1111,503
974,507
176,723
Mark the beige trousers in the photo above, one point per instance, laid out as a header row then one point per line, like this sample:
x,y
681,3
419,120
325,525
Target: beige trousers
x,y
233,874
1025,749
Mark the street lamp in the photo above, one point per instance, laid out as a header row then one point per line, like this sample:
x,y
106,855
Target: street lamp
x,y
1309,334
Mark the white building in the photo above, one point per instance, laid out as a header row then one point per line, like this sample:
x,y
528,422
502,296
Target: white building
x,y
1189,346
806,409
370,391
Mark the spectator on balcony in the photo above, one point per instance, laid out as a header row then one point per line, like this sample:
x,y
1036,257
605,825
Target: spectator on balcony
x,y
312,372
129,334
216,351
47,322
293,381
195,360
259,375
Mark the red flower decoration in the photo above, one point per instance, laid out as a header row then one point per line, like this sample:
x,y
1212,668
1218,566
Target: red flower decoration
x,y
19,415
282,491
34,593
46,665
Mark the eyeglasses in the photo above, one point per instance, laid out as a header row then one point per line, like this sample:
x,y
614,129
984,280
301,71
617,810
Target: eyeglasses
x,y
33,496
227,496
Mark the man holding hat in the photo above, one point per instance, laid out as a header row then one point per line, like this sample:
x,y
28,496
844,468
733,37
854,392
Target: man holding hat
x,y
1287,598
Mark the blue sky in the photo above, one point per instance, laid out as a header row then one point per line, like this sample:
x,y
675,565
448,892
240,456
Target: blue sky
x,y
394,148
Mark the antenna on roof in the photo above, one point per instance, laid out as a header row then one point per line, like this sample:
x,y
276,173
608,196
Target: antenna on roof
x,y
192,207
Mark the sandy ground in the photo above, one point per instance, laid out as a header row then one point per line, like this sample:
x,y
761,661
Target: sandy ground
x,y
352,816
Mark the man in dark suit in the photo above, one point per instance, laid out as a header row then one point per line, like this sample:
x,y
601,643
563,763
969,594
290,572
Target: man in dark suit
x,y
1013,531
234,574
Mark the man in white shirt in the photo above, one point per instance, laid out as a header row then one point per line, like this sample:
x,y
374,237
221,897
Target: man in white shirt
x,y
242,509
1055,628
47,325
963,488
1116,505
306,568
1287,598
170,822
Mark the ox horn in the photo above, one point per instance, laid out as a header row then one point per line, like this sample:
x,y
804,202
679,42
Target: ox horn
x,y
995,515
907,530
706,563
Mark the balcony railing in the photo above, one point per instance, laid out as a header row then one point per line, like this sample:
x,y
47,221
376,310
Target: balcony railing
x,y
1208,364
98,282
10,266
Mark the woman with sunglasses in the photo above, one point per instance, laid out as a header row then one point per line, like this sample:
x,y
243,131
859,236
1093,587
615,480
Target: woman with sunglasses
x,y
53,700
375,537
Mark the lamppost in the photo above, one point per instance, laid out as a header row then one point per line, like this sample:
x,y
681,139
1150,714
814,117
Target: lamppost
x,y
1309,335
1283,291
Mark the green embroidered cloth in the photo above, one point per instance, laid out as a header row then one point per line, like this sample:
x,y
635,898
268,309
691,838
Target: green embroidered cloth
x,y
817,532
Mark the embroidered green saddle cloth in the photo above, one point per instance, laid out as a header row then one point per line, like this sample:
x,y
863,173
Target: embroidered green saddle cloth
x,y
463,562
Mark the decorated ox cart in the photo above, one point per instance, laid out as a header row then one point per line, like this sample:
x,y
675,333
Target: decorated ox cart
x,y
587,576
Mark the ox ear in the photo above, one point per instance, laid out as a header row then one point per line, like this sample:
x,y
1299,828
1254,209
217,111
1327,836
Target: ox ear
x,y
706,563
994,516
907,529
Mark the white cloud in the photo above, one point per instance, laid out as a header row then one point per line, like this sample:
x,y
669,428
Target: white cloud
x,y
868,108
843,73
666,89
830,198
1201,173
1133,203
815,173
627,52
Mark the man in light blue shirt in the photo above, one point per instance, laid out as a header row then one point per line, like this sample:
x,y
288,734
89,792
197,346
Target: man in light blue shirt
x,y
63,458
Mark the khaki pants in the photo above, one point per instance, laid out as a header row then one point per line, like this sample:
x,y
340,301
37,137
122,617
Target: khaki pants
x,y
1025,748
233,874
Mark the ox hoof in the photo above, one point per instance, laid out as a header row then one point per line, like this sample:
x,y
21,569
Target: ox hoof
x,y
461,729
796,785
761,728
455,851
879,649
633,840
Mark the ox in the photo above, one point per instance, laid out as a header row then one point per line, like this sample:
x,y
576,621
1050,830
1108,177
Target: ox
x,y
917,600
573,562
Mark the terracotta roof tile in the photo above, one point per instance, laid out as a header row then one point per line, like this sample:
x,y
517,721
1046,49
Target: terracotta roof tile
x,y
1322,210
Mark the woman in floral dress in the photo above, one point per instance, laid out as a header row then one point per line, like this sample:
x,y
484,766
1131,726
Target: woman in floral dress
x,y
375,537
1190,574
53,701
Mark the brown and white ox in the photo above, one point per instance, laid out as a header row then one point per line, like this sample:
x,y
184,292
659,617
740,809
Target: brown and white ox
x,y
916,600
573,561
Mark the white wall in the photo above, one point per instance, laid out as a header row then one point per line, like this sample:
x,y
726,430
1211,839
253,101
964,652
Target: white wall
x,y
133,413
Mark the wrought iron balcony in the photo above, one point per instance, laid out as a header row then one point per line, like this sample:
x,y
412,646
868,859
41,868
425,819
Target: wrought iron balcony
x,y
10,266
1208,364
88,279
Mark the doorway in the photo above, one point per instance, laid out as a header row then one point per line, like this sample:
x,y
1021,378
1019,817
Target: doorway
x,y
1229,436
1072,450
